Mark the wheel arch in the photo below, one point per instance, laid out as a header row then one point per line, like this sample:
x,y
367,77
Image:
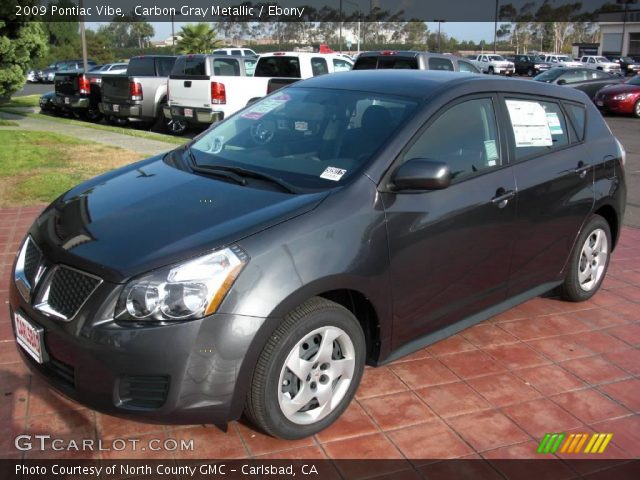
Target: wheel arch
x,y
609,213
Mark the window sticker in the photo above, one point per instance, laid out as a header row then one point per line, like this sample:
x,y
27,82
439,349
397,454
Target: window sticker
x,y
491,151
333,173
266,106
217,144
554,123
530,124
301,126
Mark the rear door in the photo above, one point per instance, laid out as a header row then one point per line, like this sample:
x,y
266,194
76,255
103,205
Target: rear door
x,y
555,188
189,82
450,249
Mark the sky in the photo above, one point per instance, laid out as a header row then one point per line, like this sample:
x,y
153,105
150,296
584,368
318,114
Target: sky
x,y
475,31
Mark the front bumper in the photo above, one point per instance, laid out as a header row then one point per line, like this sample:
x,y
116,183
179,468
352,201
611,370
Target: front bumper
x,y
614,106
182,373
504,70
196,116
71,101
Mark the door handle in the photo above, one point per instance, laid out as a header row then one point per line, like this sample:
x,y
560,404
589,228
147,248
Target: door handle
x,y
187,83
582,169
502,197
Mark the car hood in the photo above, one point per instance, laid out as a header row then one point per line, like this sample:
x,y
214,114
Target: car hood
x,y
151,214
619,88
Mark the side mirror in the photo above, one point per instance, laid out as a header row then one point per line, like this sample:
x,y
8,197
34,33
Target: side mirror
x,y
421,174
562,81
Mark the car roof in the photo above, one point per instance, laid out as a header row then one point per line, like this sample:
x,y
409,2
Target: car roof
x,y
403,53
424,84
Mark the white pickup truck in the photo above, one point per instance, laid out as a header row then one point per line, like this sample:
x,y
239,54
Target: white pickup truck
x,y
558,60
204,89
597,62
493,64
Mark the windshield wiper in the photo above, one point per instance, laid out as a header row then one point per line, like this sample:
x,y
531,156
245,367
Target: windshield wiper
x,y
237,173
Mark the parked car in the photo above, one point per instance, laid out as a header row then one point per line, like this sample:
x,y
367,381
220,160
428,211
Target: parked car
x,y
208,88
628,66
392,59
530,65
494,64
598,62
621,98
32,76
235,51
562,61
139,95
46,102
585,79
111,68
48,74
323,204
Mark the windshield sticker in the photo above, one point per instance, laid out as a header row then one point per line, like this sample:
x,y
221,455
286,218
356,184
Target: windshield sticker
x,y
333,173
491,151
301,126
530,124
554,123
265,106
217,144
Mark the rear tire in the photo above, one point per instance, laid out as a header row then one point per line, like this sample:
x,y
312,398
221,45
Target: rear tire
x,y
308,372
530,72
636,109
589,261
168,125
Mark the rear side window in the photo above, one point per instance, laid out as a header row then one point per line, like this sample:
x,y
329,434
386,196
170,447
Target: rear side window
x,y
319,66
164,65
142,67
538,127
469,150
226,67
466,67
287,67
341,65
236,52
578,117
440,64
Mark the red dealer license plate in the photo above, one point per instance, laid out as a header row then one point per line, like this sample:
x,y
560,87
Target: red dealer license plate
x,y
188,112
29,337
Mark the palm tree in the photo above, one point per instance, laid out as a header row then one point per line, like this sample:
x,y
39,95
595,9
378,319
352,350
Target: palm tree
x,y
198,38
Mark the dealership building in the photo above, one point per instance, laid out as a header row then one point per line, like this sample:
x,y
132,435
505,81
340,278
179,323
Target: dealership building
x,y
620,33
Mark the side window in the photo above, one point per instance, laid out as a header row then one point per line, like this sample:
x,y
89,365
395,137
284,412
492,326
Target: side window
x,y
538,127
484,59
468,150
236,52
341,65
440,64
466,67
599,75
319,66
574,76
578,117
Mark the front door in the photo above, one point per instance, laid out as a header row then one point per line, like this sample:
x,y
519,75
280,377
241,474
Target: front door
x,y
450,248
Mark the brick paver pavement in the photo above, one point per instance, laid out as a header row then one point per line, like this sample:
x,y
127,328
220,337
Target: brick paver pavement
x,y
492,390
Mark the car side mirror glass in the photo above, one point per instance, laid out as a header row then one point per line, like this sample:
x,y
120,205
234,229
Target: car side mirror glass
x,y
421,174
562,81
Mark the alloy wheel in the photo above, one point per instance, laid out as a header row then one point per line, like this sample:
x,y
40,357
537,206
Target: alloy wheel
x,y
593,259
316,375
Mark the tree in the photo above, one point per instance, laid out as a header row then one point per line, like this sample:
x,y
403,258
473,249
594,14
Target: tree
x,y
142,32
415,33
21,41
198,38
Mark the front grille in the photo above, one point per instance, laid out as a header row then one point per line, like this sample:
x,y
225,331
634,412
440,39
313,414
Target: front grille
x,y
68,290
144,392
32,260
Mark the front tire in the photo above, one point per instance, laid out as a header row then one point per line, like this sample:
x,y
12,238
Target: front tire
x,y
636,109
490,71
308,372
589,261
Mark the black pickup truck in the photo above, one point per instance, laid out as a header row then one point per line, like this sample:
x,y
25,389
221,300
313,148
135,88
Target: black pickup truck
x,y
78,93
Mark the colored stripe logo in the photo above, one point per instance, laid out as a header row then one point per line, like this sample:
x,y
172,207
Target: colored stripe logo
x,y
574,443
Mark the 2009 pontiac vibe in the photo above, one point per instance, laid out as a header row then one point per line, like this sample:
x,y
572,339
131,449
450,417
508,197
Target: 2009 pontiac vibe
x,y
348,219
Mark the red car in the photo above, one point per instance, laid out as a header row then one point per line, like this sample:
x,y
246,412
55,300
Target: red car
x,y
620,98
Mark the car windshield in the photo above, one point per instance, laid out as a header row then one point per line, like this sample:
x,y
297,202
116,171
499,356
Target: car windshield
x,y
549,75
496,57
309,138
634,81
602,59
562,58
537,59
627,59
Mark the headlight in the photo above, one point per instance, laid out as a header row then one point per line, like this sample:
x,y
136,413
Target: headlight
x,y
186,291
621,96
536,66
